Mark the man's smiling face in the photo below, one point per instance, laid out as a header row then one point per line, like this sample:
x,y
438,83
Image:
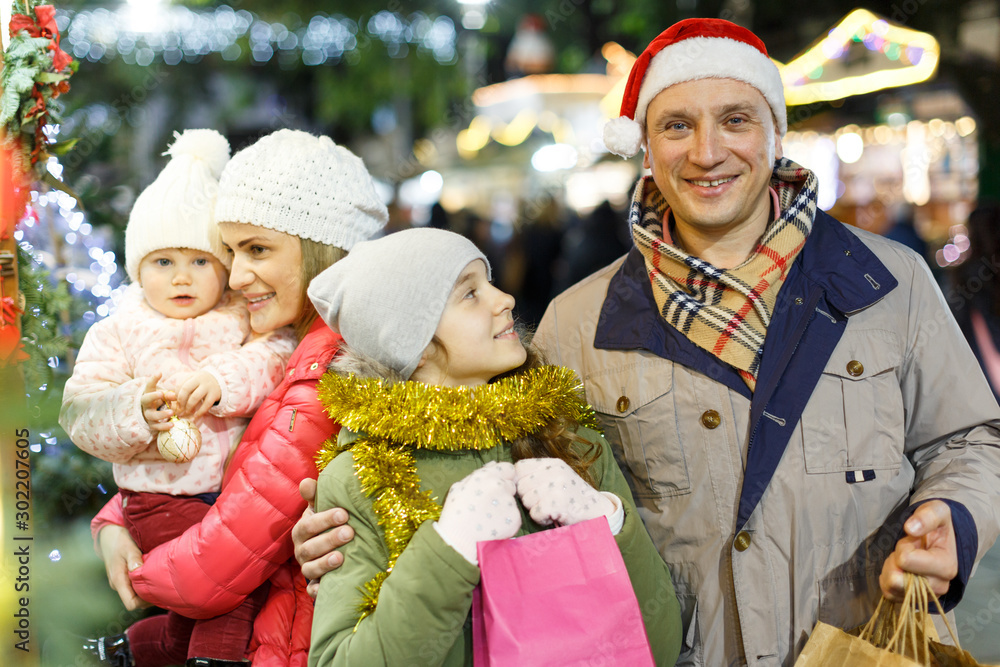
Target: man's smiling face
x,y
711,144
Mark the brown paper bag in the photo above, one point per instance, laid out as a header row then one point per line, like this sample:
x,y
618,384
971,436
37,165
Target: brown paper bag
x,y
832,647
898,635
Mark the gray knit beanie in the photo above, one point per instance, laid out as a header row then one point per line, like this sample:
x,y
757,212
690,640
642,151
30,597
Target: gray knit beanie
x,y
176,210
387,296
307,186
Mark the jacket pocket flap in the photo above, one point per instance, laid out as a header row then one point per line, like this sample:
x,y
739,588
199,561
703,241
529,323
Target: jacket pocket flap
x,y
864,353
621,389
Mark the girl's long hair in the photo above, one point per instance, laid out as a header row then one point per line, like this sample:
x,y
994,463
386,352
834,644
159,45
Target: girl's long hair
x,y
555,439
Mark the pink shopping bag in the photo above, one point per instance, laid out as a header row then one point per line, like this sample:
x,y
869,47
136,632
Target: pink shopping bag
x,y
557,597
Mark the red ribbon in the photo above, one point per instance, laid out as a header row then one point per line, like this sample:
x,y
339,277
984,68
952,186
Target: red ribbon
x,y
14,192
11,346
8,311
43,25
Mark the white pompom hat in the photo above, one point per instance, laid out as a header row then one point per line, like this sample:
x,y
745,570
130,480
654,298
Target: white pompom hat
x,y
686,51
177,209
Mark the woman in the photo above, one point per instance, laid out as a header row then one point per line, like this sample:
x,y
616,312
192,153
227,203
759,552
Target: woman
x,y
289,206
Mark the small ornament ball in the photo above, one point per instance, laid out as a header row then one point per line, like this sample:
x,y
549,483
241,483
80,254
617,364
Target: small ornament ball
x,y
181,443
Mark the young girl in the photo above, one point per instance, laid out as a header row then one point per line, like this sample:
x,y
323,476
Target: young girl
x,y
435,391
179,345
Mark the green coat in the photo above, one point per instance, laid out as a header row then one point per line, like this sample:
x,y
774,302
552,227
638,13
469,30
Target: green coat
x,y
423,615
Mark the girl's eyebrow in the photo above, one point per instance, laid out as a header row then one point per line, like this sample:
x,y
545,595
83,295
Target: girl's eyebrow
x,y
466,277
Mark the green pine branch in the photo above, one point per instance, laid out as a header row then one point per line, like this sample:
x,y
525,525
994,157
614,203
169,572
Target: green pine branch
x,y
45,305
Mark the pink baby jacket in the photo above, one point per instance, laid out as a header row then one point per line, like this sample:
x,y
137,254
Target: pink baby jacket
x,y
101,410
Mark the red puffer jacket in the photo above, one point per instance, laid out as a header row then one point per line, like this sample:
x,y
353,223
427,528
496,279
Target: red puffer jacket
x,y
245,539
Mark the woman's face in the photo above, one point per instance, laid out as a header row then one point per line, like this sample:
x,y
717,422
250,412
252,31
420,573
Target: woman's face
x,y
267,269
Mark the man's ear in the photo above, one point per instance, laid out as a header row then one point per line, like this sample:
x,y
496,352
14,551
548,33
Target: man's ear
x,y
645,152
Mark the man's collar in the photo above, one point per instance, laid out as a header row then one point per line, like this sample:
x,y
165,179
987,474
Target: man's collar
x,y
833,258
850,274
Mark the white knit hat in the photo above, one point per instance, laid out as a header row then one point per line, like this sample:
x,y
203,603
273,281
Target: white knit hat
x,y
686,51
176,210
387,296
307,186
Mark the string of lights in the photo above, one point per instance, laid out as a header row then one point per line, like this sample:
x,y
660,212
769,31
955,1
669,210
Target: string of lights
x,y
172,34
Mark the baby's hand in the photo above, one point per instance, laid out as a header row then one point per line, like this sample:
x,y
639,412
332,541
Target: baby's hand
x,y
197,394
154,405
480,507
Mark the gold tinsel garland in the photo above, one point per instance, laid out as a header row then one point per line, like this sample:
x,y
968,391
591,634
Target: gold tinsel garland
x,y
453,418
395,418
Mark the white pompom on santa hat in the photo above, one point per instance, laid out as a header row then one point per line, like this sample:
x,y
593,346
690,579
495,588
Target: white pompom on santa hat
x,y
689,50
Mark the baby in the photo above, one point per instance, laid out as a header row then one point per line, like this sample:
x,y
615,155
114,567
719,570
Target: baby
x,y
179,345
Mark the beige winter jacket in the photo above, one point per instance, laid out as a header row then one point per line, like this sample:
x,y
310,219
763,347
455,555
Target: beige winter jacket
x,y
901,413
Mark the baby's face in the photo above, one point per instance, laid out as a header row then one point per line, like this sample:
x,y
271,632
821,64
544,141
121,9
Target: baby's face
x,y
181,283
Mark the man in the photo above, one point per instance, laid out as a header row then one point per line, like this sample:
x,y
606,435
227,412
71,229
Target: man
x,y
782,391
796,411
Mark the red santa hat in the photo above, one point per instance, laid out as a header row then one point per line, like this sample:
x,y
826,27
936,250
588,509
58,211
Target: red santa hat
x,y
689,50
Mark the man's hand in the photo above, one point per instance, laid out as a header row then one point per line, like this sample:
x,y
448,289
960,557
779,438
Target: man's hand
x,y
121,556
315,543
197,394
928,548
154,405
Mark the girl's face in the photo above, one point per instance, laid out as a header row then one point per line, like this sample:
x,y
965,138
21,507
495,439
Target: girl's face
x,y
267,269
476,332
181,283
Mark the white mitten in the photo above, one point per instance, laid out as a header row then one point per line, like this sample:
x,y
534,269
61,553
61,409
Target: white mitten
x,y
553,493
480,507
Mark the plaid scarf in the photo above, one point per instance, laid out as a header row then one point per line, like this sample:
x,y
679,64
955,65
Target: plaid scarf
x,y
725,311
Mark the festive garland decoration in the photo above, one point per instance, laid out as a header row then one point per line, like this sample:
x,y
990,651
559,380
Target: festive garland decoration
x,y
453,418
396,418
35,72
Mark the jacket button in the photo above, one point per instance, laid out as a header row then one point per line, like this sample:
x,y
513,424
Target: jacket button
x,y
710,419
855,368
314,367
742,541
623,403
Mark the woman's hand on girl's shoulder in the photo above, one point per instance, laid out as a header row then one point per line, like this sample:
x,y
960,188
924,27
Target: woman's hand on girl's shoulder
x,y
315,541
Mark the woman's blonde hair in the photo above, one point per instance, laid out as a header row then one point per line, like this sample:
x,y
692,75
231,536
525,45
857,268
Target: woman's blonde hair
x,y
316,257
